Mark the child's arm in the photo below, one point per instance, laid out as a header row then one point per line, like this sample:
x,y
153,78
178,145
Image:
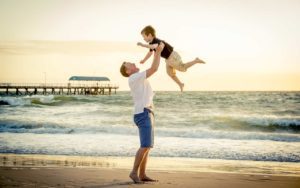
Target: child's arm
x,y
150,46
146,57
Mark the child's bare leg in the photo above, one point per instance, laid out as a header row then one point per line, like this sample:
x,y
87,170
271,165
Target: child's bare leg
x,y
191,63
171,72
180,84
200,60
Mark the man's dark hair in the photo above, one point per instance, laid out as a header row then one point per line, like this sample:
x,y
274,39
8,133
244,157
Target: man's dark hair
x,y
123,70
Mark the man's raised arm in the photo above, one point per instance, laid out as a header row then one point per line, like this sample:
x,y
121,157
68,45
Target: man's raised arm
x,y
156,61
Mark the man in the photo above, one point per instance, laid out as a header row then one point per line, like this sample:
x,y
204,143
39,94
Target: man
x,y
142,95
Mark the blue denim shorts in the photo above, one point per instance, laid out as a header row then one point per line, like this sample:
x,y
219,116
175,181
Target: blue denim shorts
x,y
144,121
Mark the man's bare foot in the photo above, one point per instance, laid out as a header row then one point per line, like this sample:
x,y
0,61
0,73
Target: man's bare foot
x,y
146,178
181,87
199,61
135,178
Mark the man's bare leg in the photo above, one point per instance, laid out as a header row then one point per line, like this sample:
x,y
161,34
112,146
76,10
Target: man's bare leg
x,y
142,175
138,159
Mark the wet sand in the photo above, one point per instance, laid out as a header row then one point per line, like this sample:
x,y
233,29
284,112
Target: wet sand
x,y
71,171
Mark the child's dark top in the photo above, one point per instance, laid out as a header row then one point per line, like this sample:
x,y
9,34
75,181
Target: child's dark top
x,y
166,52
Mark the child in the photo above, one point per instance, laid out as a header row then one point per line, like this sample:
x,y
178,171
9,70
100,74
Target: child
x,y
173,59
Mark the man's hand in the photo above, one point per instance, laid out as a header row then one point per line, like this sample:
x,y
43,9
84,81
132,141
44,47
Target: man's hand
x,y
139,44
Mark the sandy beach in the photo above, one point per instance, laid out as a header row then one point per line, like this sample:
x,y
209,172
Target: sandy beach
x,y
76,171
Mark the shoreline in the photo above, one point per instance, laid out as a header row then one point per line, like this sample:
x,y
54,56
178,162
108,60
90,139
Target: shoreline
x,y
20,170
155,164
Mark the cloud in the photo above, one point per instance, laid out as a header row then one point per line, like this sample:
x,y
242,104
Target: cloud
x,y
64,47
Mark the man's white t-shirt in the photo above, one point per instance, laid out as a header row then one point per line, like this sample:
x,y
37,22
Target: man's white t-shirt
x,y
141,91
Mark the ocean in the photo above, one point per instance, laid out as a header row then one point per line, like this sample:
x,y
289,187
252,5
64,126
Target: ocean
x,y
252,126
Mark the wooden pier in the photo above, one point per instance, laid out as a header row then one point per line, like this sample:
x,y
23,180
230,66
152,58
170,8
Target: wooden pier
x,y
57,89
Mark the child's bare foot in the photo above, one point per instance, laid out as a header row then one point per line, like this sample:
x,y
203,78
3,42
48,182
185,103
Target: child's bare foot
x,y
181,87
199,61
135,178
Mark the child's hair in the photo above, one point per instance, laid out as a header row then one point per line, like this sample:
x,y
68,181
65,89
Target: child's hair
x,y
123,70
148,30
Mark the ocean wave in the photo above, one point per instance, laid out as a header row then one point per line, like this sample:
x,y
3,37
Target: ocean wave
x,y
28,100
240,117
125,145
227,122
38,128
261,123
4,103
47,100
14,101
120,129
54,128
59,100
232,135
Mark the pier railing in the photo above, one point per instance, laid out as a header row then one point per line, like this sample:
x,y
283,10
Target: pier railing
x,y
57,88
56,85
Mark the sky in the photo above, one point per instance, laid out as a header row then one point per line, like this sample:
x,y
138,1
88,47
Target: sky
x,y
248,45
